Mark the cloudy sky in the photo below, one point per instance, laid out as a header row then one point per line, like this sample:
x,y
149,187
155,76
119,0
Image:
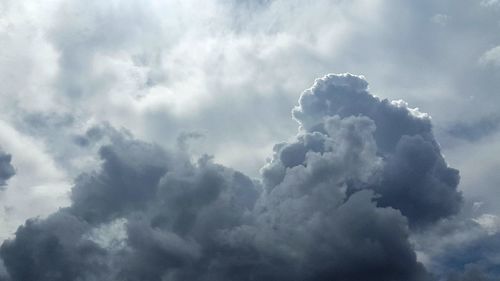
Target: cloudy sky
x,y
152,140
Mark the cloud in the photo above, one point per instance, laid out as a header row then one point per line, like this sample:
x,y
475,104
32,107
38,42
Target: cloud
x,y
476,256
232,69
39,185
199,225
6,168
441,19
474,130
161,68
317,181
127,166
488,3
491,57
151,214
415,178
51,249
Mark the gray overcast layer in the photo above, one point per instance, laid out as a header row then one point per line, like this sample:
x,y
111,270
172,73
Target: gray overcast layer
x,y
169,140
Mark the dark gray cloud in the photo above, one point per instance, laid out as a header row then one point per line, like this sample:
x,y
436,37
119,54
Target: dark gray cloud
x,y
189,205
151,214
418,181
464,247
473,258
199,224
52,249
6,168
413,176
126,181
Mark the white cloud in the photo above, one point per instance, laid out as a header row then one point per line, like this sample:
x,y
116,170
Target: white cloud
x,y
491,57
490,223
441,19
487,3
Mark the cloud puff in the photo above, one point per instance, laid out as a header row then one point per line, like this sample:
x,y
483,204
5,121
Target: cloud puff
x,y
6,168
188,200
413,177
52,249
332,204
491,57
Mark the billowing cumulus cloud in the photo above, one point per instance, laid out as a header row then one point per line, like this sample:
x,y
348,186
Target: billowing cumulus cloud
x,y
413,176
334,204
6,168
220,77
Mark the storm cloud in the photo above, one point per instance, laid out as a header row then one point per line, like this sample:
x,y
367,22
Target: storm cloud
x,y
413,176
334,204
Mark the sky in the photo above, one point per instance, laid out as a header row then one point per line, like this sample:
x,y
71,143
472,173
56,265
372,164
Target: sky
x,y
160,140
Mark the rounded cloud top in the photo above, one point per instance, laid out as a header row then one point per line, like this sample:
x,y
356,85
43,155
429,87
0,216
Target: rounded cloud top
x,y
414,177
